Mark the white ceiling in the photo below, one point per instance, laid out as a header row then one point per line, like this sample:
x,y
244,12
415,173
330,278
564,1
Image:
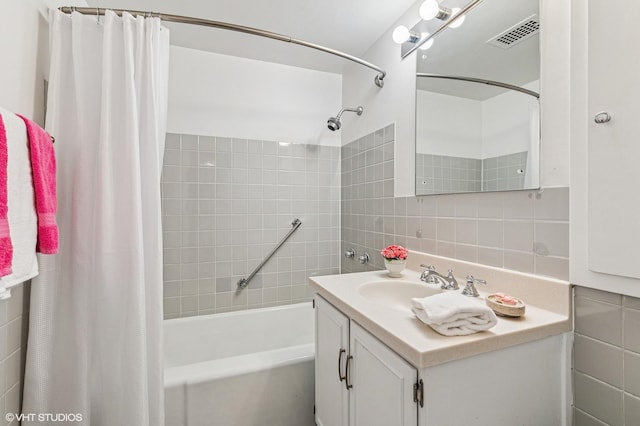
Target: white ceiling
x,y
351,26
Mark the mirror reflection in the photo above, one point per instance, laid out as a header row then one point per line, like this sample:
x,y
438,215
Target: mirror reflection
x,y
477,112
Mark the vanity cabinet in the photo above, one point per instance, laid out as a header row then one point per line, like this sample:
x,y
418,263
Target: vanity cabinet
x,y
605,201
332,346
359,380
383,383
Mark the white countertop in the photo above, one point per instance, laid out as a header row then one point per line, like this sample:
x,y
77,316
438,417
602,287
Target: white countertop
x,y
547,312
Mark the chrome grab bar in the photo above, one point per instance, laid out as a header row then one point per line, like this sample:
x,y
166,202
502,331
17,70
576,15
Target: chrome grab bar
x,y
243,282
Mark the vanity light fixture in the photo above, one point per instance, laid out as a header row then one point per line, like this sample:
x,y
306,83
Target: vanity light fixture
x,y
402,34
458,22
413,39
428,43
428,10
431,9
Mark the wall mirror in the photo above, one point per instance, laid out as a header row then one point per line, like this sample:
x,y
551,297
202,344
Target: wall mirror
x,y
477,104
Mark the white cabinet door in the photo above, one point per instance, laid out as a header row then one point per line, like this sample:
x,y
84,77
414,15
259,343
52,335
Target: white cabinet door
x,y
382,392
614,146
525,385
332,345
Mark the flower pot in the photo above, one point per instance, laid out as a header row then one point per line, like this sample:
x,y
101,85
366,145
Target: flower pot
x,y
395,267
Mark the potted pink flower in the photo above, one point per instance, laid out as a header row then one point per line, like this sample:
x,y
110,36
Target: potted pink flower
x,y
395,258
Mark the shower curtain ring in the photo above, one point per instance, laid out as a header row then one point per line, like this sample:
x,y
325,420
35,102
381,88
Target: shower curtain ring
x,y
98,15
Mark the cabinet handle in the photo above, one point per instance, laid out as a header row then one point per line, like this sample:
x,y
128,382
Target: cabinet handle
x,y
346,373
602,117
340,376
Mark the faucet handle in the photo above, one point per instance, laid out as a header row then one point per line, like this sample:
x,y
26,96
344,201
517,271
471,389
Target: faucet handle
x,y
471,280
429,267
470,289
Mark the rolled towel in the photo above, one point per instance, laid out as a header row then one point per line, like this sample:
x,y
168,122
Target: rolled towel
x,y
452,314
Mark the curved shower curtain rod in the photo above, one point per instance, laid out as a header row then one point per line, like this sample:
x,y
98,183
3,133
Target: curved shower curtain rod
x,y
482,81
379,79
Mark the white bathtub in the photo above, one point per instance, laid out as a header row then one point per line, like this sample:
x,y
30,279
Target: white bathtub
x,y
242,368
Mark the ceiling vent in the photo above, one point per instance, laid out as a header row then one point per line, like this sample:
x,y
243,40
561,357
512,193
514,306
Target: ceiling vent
x,y
517,33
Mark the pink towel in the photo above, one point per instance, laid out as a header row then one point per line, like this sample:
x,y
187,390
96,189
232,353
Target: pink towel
x,y
6,248
43,169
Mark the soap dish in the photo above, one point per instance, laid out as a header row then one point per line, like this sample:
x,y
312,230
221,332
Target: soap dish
x,y
502,309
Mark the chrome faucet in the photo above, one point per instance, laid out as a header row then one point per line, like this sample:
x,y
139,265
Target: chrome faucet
x,y
427,276
430,276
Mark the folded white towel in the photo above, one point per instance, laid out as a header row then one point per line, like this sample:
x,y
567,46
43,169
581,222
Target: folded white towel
x,y
452,314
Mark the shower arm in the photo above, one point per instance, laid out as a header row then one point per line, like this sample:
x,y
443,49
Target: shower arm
x,y
378,80
343,110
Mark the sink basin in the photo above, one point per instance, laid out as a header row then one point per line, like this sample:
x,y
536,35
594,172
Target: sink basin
x,y
396,294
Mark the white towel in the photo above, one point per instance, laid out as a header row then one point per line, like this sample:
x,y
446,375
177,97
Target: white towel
x,y
452,314
23,222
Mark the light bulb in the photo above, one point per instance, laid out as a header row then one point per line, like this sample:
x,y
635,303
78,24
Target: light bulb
x,y
429,9
400,34
426,45
458,21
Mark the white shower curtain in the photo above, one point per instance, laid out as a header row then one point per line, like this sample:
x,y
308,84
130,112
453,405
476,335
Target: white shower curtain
x,y
95,333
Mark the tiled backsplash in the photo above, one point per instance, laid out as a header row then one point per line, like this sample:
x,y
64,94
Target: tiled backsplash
x,y
14,322
606,358
227,202
525,231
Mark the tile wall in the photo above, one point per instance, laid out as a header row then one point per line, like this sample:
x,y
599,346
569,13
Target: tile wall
x,y
525,231
606,358
14,325
227,202
436,174
504,172
439,174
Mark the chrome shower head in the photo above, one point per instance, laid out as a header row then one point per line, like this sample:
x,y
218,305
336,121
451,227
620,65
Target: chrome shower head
x,y
334,123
